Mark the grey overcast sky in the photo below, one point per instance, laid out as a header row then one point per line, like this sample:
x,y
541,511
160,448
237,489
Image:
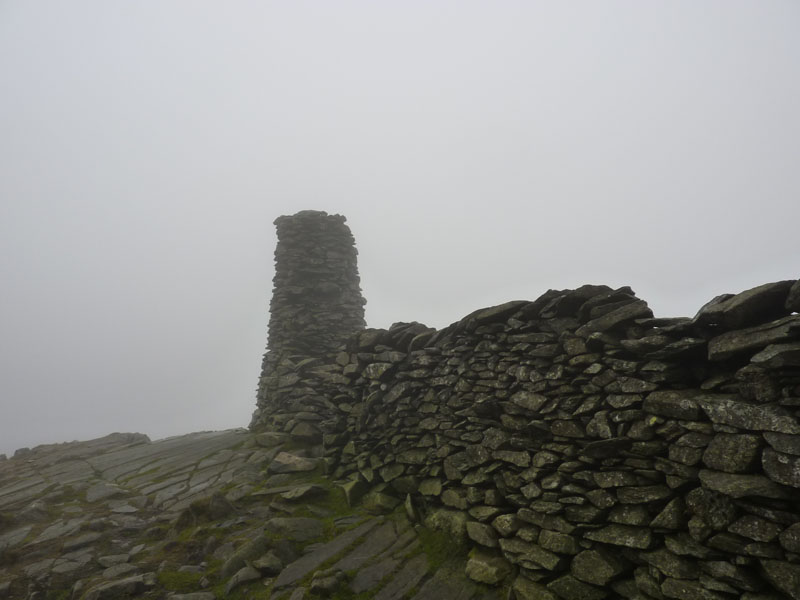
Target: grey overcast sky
x,y
481,151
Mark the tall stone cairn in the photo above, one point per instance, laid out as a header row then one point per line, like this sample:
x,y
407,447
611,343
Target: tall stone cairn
x,y
316,302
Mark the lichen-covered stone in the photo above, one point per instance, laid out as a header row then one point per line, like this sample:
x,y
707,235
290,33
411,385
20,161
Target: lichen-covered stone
x,y
733,453
597,566
487,568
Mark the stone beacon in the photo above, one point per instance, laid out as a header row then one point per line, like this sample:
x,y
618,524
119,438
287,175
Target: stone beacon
x,y
316,302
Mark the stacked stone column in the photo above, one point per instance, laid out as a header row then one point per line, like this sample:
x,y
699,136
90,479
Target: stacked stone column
x,y
316,302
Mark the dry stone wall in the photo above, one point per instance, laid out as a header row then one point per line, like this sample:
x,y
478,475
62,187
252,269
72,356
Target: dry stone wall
x,y
601,451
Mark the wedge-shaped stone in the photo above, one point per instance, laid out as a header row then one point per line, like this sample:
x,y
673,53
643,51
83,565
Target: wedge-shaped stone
x,y
686,589
568,586
680,404
784,576
637,309
623,535
597,566
754,338
487,568
308,562
783,468
671,564
753,306
725,410
525,589
776,356
285,462
740,486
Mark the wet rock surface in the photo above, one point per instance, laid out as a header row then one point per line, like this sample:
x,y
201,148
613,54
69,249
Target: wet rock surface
x,y
223,530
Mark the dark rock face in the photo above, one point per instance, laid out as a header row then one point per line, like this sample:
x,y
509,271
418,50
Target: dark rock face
x,y
601,451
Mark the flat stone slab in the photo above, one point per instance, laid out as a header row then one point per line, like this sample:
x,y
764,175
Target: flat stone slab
x,y
369,577
304,565
285,462
450,584
406,579
378,541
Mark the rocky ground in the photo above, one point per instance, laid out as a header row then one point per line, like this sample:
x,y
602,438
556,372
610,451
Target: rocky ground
x,y
209,515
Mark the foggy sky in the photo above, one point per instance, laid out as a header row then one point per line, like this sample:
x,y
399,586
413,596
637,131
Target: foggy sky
x,y
481,152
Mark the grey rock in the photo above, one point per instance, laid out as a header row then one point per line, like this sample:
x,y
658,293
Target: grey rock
x,y
676,404
643,494
81,541
299,529
684,589
112,559
776,356
757,305
516,550
242,576
597,566
446,582
194,596
268,565
733,453
60,529
482,534
672,565
790,538
103,491
303,492
506,525
529,400
324,583
369,577
788,444
117,571
740,486
784,576
637,309
560,543
739,577
525,589
15,537
248,551
378,541
450,521
122,588
755,528
672,516
430,487
406,579
354,491
728,411
307,563
568,586
622,535
487,568
285,462
783,468
753,338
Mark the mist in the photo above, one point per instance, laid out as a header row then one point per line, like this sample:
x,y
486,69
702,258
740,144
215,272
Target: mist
x,y
481,152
